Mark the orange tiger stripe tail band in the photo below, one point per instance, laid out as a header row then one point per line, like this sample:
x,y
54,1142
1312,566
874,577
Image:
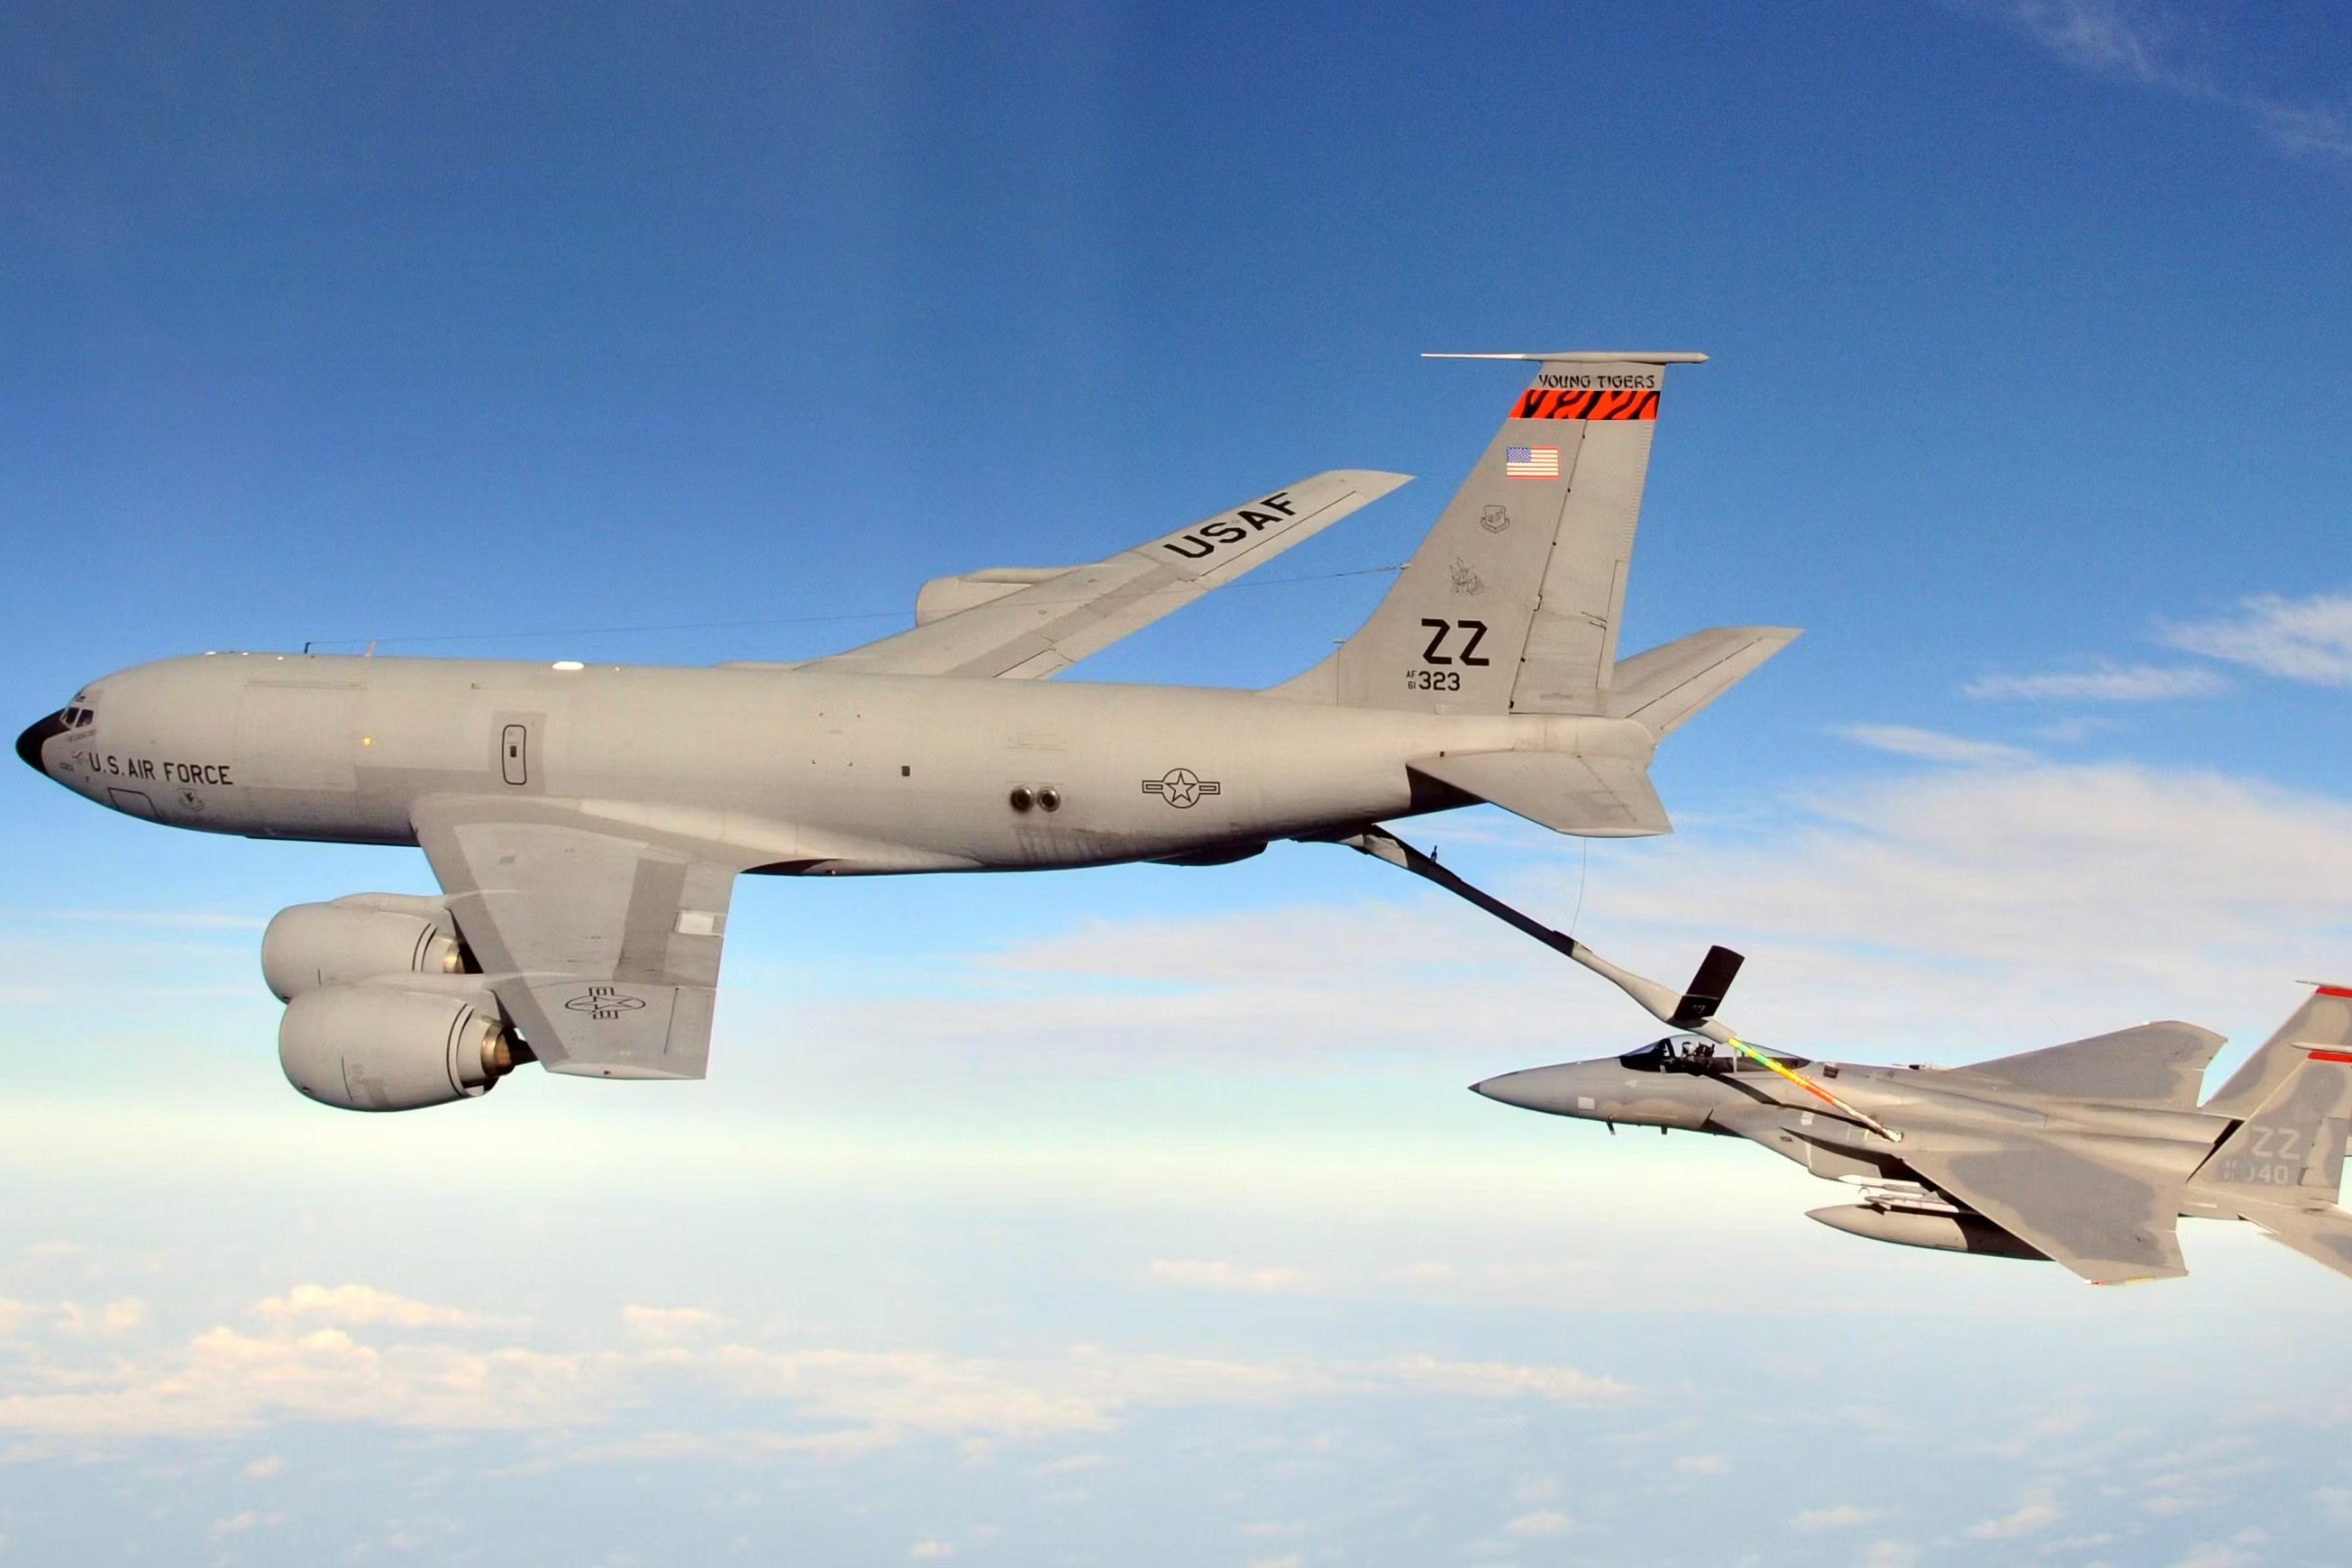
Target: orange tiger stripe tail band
x,y
1560,403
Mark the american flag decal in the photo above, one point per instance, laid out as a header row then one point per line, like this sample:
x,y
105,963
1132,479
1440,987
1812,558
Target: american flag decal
x,y
1531,462
1553,402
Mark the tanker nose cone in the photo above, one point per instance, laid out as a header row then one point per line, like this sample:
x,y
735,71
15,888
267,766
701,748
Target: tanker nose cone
x,y
37,735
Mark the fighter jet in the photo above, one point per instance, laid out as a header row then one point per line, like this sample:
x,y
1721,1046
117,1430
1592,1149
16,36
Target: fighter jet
x,y
586,823
2086,1154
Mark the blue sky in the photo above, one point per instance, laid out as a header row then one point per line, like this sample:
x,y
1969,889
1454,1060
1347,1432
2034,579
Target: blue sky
x,y
1139,1215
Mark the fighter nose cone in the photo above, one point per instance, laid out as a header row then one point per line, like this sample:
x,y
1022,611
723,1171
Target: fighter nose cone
x,y
36,736
1538,1089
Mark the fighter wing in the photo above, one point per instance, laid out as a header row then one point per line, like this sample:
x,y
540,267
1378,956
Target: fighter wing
x,y
1029,632
601,941
2109,1224
2155,1065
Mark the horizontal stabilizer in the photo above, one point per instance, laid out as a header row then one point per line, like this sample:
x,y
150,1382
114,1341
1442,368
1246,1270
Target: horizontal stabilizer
x,y
1591,797
2159,1066
2324,1235
1667,685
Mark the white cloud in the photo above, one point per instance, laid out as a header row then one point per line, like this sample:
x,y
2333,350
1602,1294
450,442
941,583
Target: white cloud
x,y
1838,1516
2025,1520
1212,1274
266,1468
237,1523
2217,1557
1950,912
68,1394
114,1318
2298,639
667,1323
1505,1380
931,1550
2139,683
1545,1524
356,1306
223,1381
1928,746
1702,1464
2159,45
1890,1554
1932,915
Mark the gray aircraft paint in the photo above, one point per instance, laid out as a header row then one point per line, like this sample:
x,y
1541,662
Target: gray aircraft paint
x,y
587,822
2086,1153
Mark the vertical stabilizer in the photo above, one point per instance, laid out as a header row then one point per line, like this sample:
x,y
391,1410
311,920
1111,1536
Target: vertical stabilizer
x,y
1511,604
2324,1021
2292,1149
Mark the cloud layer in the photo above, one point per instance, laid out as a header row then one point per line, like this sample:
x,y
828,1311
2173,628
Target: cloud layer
x,y
441,1369
2138,683
2306,639
2175,49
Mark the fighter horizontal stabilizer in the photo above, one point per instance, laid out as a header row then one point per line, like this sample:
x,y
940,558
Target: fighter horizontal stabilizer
x,y
1591,797
1027,623
2322,1234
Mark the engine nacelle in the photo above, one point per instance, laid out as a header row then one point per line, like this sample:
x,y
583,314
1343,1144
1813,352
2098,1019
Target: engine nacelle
x,y
944,596
358,938
368,1047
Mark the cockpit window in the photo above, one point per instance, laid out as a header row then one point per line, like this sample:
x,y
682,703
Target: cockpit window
x,y
1696,1053
78,717
1679,1053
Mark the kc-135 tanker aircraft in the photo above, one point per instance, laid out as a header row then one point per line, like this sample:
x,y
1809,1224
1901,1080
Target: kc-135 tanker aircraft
x,y
587,838
2088,1153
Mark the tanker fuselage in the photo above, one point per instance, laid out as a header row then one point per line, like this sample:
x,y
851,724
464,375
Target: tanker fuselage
x,y
803,770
